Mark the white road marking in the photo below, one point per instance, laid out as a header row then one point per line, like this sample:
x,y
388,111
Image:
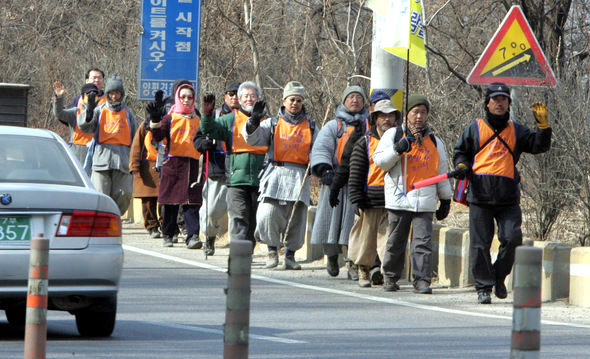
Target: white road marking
x,y
345,293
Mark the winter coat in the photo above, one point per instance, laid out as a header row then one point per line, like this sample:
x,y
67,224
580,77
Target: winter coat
x,y
68,118
423,199
181,180
498,190
280,182
145,178
216,170
242,169
360,193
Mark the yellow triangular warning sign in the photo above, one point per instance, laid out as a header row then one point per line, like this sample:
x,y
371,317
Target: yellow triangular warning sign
x,y
513,56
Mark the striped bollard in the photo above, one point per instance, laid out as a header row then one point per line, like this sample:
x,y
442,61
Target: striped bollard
x,y
237,315
526,316
36,320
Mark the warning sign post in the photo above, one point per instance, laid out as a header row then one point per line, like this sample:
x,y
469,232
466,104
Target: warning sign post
x,y
513,56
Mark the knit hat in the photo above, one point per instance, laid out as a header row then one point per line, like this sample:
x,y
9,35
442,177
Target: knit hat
x,y
496,89
232,86
417,100
379,95
114,83
382,106
351,89
88,88
293,88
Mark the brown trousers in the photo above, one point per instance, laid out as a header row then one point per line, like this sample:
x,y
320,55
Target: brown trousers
x,y
368,236
150,209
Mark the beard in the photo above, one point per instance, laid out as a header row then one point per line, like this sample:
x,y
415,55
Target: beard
x,y
248,108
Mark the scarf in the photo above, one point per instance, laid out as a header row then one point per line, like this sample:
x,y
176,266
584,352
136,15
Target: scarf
x,y
178,106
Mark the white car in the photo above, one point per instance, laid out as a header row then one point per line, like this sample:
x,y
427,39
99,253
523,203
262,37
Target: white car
x,y
44,190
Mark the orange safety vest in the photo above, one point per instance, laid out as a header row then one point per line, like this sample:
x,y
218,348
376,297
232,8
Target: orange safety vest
x,y
292,142
239,144
376,176
495,159
182,133
152,151
344,138
82,138
113,127
422,162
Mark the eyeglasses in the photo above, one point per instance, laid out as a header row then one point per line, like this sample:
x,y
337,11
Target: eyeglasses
x,y
231,93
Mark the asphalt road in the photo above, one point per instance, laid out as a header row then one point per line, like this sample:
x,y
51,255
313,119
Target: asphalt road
x,y
172,305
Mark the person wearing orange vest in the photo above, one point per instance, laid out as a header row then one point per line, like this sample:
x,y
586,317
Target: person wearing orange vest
x,y
332,225
146,180
182,177
113,127
284,186
487,152
243,162
213,212
78,139
368,235
409,155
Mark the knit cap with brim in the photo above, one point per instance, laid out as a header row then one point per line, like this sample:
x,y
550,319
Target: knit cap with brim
x,y
351,89
114,83
417,100
294,88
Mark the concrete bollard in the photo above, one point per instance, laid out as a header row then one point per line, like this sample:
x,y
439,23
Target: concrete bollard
x,y
453,258
526,316
237,314
579,288
36,319
556,270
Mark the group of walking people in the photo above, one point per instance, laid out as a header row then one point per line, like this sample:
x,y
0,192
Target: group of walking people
x,y
238,161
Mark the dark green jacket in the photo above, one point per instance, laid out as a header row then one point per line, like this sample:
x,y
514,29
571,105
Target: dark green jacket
x,y
242,168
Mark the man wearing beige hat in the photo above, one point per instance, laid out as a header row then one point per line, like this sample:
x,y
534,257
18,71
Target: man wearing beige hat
x,y
284,187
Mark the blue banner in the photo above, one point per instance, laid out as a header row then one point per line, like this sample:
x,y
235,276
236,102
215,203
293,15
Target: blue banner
x,y
169,46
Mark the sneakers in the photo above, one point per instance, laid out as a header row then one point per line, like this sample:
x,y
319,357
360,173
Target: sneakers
x,y
364,277
194,242
332,266
290,263
209,246
483,297
352,272
175,238
422,287
155,233
390,286
376,276
273,260
167,241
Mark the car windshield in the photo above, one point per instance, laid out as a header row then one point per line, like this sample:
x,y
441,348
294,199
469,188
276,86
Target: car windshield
x,y
27,159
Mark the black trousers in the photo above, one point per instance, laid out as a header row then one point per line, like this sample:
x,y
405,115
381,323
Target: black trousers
x,y
191,219
481,233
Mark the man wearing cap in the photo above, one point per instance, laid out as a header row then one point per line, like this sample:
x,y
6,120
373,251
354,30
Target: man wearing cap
x,y
487,152
332,225
410,155
213,212
369,231
284,186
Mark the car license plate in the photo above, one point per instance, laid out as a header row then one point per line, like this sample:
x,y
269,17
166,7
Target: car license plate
x,y
16,228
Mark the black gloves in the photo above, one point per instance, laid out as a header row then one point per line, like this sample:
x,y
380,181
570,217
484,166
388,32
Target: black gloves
x,y
334,201
443,209
327,177
258,111
91,106
207,145
461,172
208,104
155,109
403,145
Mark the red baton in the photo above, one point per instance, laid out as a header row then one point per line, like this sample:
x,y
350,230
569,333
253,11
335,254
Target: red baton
x,y
431,180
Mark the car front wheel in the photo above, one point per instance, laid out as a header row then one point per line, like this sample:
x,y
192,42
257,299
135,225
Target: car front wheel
x,y
97,321
16,316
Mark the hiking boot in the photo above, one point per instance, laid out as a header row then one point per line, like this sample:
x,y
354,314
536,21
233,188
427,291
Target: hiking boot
x,y
352,272
364,277
332,266
290,263
209,246
155,233
167,242
483,297
376,276
500,289
273,260
422,287
390,286
194,242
